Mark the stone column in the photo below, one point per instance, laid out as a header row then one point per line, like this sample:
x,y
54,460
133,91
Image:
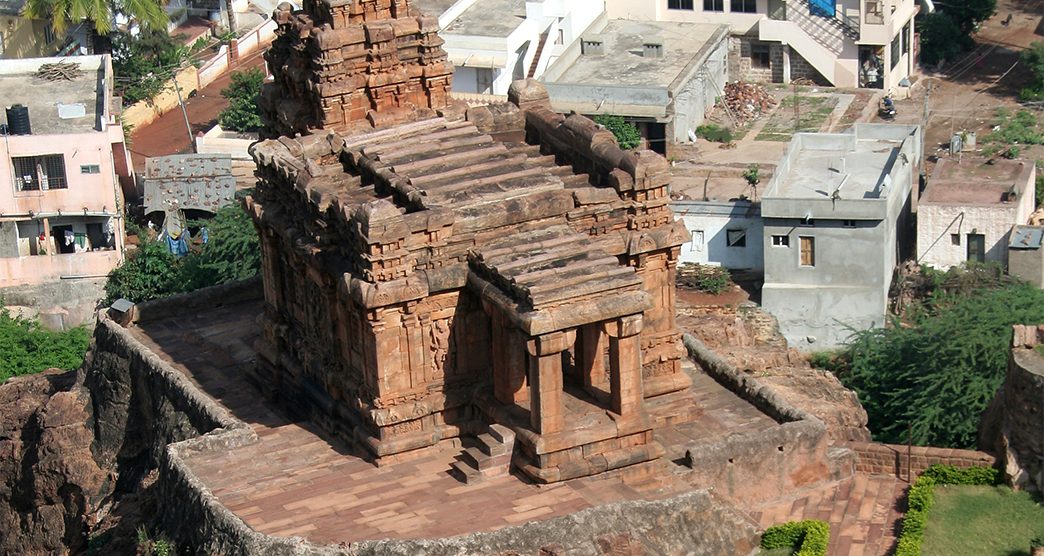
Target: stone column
x,y
591,357
625,364
509,362
545,356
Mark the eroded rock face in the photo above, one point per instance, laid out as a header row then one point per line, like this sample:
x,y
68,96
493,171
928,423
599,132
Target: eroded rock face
x,y
48,476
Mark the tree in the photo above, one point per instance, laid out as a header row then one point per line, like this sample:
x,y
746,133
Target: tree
x,y
1033,57
243,95
626,133
232,253
144,62
99,13
29,348
942,38
939,371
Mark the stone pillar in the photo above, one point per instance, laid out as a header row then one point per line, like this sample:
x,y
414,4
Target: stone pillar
x,y
545,406
786,64
625,364
591,357
509,362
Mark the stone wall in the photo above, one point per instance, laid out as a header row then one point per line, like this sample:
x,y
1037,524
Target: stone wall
x,y
801,69
754,467
891,459
1013,425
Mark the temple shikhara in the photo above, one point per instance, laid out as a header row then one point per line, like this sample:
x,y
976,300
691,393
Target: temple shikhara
x,y
438,275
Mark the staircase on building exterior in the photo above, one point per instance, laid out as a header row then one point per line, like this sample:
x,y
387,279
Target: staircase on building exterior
x,y
490,458
539,52
847,25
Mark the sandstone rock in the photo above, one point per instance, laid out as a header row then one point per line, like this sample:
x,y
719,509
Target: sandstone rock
x,y
48,476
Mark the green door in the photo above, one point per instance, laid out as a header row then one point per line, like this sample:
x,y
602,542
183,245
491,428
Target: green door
x,y
977,248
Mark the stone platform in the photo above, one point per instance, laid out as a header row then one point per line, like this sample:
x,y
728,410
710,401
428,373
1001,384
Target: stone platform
x,y
294,482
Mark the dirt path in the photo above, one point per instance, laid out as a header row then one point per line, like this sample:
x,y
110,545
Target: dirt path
x,y
167,135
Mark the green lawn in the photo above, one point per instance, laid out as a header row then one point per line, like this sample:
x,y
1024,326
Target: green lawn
x,y
981,521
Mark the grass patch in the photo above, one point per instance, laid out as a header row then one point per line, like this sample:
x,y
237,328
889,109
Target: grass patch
x,y
986,520
1039,348
814,112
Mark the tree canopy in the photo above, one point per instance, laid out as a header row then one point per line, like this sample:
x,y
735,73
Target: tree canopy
x,y
936,371
151,272
243,95
62,14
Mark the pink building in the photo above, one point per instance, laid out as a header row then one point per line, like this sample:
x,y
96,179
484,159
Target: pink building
x,y
62,154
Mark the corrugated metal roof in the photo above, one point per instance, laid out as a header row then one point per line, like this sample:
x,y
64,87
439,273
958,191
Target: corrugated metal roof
x,y
1026,237
195,181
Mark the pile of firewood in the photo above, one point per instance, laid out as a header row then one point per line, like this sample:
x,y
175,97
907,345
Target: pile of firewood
x,y
747,101
59,71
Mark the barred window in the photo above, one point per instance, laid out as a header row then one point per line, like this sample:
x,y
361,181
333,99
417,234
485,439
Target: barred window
x,y
35,173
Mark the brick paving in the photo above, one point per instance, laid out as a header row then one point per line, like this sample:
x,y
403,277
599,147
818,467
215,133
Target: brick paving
x,y
863,512
295,482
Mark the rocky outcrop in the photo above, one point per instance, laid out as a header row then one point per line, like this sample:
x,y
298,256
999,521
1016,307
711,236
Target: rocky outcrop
x,y
49,479
749,340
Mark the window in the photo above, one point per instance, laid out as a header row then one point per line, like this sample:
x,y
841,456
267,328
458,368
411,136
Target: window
x,y
483,80
736,238
895,50
697,241
781,241
848,223
906,39
679,4
955,239
744,6
90,169
713,5
560,39
48,33
808,251
34,173
760,55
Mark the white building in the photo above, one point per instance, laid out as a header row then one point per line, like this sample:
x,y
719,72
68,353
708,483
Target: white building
x,y
724,233
864,43
494,42
969,207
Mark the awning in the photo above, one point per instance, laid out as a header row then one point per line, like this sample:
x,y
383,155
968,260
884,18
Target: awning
x,y
478,60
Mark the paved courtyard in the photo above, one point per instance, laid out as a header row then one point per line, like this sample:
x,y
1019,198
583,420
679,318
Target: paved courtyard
x,y
294,482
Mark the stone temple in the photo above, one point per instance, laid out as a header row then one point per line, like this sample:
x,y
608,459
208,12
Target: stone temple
x,y
433,273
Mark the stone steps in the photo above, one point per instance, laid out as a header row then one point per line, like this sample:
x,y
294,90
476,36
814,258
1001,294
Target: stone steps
x,y
490,458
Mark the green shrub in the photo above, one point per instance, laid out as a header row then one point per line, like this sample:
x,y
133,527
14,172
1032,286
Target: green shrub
x,y
715,133
809,537
626,133
921,497
706,278
836,362
243,95
1011,152
28,348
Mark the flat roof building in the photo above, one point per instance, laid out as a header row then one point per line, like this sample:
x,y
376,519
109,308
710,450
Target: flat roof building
x,y
836,220
663,75
969,207
62,160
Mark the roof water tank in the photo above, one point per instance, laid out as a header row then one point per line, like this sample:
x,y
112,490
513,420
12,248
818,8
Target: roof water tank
x,y
18,120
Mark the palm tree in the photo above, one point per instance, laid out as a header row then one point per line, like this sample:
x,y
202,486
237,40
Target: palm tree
x,y
99,13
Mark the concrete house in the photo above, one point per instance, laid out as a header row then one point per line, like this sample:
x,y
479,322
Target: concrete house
x,y
493,42
847,43
837,215
61,226
663,76
967,211
724,233
22,37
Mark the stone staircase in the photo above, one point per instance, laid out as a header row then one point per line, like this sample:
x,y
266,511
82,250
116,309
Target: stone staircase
x,y
490,457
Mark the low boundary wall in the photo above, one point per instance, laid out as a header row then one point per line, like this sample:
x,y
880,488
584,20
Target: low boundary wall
x,y
891,459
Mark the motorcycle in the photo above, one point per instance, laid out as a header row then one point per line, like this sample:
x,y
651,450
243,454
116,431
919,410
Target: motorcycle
x,y
886,108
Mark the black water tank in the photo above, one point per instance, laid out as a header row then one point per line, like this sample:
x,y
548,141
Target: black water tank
x,y
18,120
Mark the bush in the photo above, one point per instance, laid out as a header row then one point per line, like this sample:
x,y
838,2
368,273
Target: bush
x,y
808,538
243,94
941,38
937,371
706,278
715,133
29,348
836,362
627,135
921,497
